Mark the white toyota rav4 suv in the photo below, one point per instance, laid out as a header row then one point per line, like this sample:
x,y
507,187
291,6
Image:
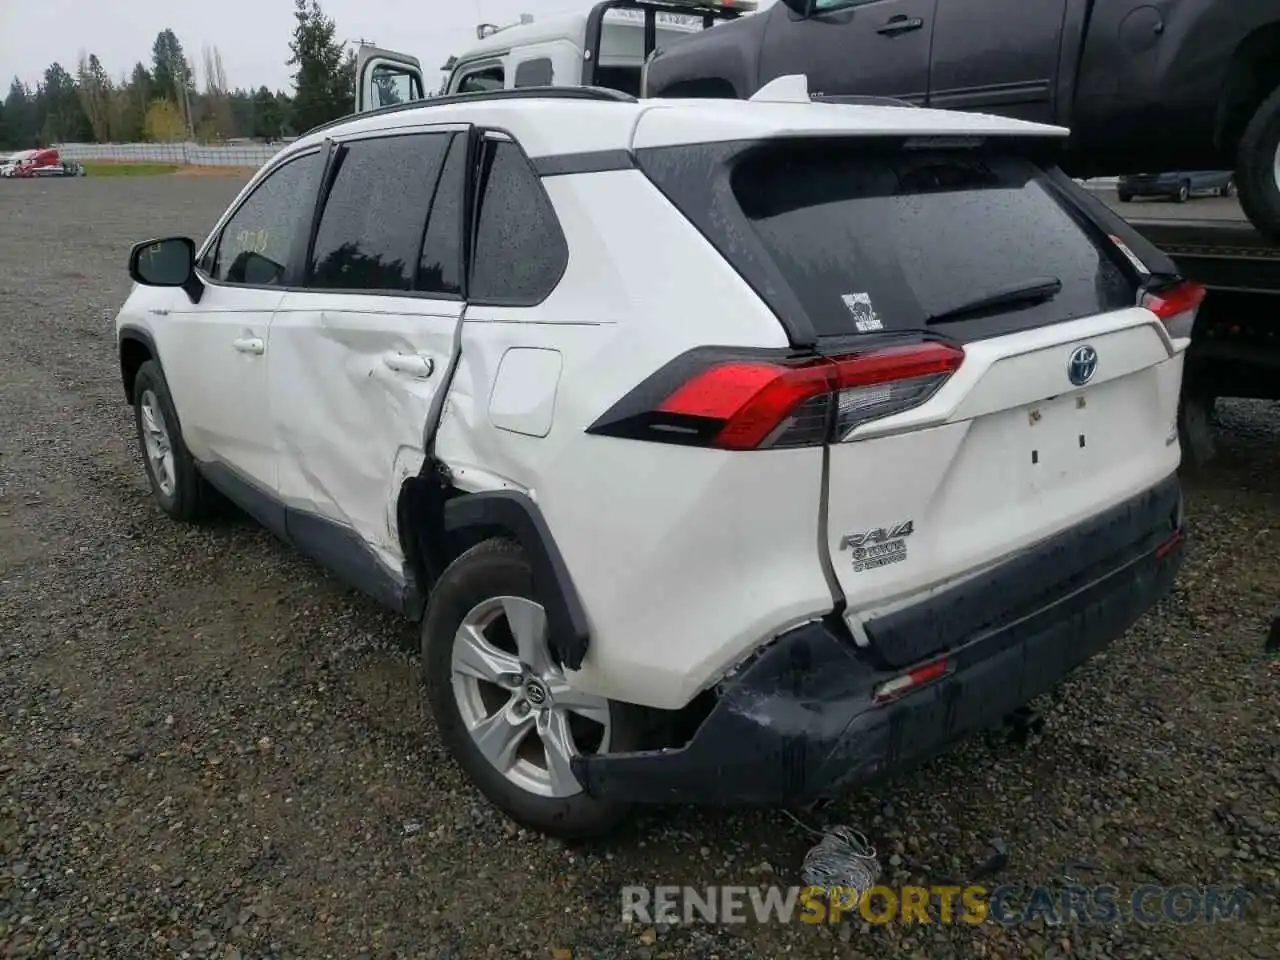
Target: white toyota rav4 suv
x,y
728,452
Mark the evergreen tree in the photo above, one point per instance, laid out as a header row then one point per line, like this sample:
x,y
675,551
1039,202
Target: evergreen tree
x,y
324,78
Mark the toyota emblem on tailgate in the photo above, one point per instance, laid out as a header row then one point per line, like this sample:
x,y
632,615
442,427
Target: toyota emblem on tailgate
x,y
1082,365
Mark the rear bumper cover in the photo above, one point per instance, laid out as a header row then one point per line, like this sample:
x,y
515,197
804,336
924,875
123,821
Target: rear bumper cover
x,y
799,722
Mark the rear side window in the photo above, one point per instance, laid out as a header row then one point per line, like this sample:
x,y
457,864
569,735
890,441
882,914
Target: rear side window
x,y
371,230
256,243
520,251
534,73
872,239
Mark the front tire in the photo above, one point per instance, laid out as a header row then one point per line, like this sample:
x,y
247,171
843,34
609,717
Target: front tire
x,y
1126,197
1258,168
175,480
1184,192
504,709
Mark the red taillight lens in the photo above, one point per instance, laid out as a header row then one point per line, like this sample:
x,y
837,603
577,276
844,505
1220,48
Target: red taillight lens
x,y
1176,306
748,404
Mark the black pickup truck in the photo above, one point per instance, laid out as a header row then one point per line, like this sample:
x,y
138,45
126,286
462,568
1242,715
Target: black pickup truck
x,y
1143,85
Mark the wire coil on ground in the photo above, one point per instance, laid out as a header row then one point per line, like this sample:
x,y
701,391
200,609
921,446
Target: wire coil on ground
x,y
842,858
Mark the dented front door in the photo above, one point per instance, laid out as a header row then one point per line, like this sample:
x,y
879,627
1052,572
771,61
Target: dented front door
x,y
356,363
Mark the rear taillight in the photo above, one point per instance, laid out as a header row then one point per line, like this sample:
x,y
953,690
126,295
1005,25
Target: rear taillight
x,y
1176,306
744,403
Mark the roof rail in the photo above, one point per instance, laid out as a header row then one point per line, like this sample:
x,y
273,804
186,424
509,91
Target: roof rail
x,y
854,99
599,94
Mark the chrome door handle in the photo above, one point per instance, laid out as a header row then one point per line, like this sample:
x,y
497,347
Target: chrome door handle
x,y
252,345
410,363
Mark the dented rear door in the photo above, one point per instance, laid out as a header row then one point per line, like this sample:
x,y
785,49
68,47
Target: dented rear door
x,y
359,356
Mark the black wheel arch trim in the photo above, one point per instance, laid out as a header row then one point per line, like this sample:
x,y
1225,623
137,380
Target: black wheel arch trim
x,y
139,335
516,513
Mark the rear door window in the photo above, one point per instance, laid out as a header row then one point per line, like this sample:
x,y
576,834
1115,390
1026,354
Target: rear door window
x,y
370,234
877,238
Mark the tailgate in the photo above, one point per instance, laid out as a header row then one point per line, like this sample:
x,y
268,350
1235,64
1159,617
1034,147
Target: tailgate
x,y
1005,457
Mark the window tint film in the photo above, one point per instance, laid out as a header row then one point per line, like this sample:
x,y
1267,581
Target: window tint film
x,y
520,251
440,269
886,239
371,228
256,242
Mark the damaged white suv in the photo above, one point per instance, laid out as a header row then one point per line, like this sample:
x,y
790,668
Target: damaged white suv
x,y
729,452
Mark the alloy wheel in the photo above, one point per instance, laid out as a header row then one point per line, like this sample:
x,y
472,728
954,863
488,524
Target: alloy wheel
x,y
516,703
155,440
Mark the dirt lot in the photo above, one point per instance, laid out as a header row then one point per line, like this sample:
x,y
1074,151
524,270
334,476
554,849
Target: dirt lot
x,y
209,748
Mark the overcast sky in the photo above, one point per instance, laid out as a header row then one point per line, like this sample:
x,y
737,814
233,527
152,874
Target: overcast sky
x,y
251,35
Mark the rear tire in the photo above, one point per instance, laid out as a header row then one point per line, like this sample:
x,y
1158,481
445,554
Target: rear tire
x,y
1195,429
1184,192
1258,168
171,470
1126,197
1228,189
482,603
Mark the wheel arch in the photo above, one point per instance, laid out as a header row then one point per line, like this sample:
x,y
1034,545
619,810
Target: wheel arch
x,y
438,523
1253,73
135,347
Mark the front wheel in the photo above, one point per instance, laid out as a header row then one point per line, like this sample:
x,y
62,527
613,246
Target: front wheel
x,y
1184,192
505,711
171,470
1258,168
1126,197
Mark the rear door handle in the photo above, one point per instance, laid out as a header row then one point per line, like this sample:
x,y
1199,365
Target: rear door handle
x,y
410,363
901,24
252,345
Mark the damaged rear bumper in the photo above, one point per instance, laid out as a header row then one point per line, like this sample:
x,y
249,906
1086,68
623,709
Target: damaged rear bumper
x,y
800,722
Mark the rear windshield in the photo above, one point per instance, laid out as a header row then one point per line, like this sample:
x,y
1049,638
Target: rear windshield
x,y
883,238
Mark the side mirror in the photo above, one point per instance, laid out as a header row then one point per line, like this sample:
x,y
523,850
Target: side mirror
x,y
170,262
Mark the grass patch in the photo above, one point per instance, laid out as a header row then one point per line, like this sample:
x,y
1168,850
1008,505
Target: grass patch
x,y
100,169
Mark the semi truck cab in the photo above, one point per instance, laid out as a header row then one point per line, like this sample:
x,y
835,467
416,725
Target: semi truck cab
x,y
604,47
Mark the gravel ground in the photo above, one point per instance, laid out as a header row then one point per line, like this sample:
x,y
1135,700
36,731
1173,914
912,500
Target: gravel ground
x,y
209,748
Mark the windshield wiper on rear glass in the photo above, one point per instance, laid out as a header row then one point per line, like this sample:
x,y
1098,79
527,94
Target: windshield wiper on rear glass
x,y
1030,291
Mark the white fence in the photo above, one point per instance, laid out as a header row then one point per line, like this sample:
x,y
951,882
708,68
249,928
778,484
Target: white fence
x,y
205,155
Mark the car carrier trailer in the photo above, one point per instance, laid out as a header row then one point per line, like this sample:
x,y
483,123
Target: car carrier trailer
x,y
1235,346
